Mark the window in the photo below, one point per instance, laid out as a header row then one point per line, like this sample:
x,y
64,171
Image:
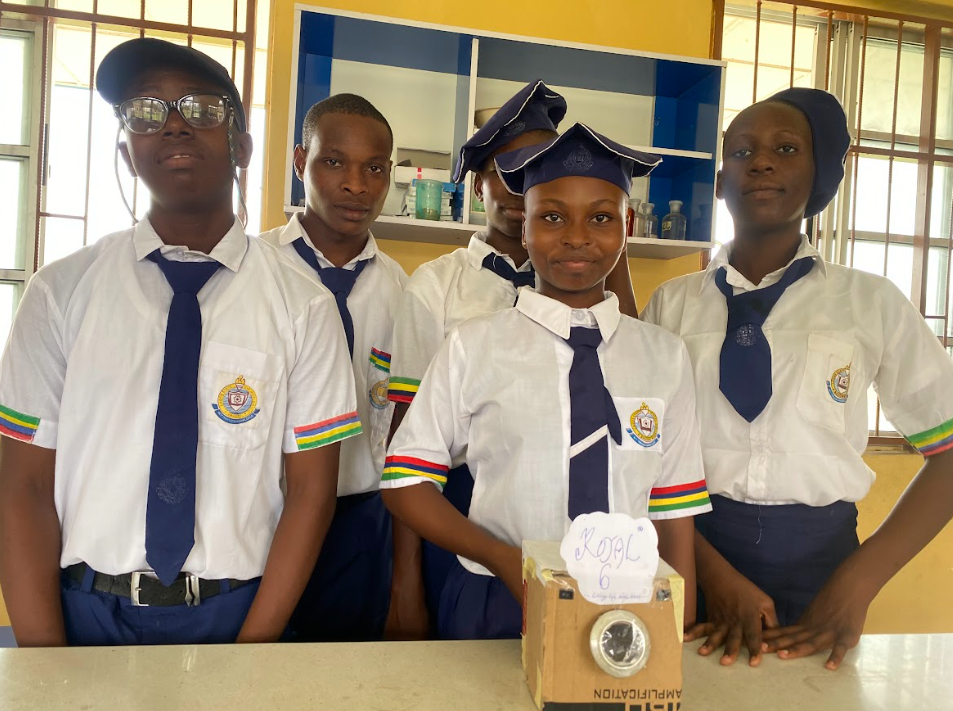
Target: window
x,y
894,75
18,160
53,53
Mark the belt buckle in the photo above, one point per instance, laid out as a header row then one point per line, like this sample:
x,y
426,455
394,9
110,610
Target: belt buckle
x,y
135,588
193,595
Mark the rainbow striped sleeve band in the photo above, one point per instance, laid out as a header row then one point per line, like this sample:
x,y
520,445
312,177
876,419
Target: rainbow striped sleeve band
x,y
327,431
402,389
684,496
380,359
398,468
17,425
934,441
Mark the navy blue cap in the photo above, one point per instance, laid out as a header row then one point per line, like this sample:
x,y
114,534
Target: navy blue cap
x,y
126,61
535,107
830,137
579,151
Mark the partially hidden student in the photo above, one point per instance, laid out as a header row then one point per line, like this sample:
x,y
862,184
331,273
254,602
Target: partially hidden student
x,y
481,279
562,404
785,347
168,467
344,161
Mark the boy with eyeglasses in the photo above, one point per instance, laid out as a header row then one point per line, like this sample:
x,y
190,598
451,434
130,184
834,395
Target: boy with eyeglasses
x,y
168,469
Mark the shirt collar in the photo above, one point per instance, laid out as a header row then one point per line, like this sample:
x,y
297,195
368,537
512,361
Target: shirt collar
x,y
735,278
558,317
477,250
294,229
229,252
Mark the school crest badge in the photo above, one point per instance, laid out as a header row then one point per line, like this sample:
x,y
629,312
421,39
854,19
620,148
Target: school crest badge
x,y
579,161
237,402
839,385
643,427
377,395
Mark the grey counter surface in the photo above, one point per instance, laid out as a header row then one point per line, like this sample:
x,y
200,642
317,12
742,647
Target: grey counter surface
x,y
885,673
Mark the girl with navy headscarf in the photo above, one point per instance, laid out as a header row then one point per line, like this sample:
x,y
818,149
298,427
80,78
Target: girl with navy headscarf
x,y
784,348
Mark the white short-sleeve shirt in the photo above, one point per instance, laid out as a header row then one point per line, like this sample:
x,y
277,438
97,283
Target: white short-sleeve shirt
x,y
373,304
81,372
499,389
439,296
832,334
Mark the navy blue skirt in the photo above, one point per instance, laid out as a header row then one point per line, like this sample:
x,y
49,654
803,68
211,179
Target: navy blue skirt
x,y
477,607
436,562
788,551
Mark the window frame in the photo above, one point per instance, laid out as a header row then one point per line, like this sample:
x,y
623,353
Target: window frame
x,y
28,153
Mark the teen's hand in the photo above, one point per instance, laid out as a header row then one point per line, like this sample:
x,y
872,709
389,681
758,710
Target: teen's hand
x,y
834,620
738,611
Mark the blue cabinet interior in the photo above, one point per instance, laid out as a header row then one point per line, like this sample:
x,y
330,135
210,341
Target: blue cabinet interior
x,y
686,94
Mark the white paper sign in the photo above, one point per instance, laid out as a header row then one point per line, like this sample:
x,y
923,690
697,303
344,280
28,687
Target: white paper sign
x,y
613,557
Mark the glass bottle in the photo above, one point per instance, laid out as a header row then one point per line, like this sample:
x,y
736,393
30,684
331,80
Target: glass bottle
x,y
633,227
651,221
674,224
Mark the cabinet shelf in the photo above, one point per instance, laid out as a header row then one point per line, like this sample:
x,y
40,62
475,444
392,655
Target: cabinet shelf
x,y
429,80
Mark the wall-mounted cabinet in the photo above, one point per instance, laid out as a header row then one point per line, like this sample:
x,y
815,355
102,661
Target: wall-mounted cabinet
x,y
429,81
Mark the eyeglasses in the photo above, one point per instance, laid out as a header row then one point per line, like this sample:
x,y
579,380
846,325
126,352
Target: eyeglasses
x,y
145,114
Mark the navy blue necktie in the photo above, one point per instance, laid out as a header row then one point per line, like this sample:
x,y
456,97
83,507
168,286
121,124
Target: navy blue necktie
x,y
499,266
590,409
745,354
339,282
170,510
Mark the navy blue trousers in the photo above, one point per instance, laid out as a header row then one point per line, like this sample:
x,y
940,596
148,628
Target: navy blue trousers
x,y
98,619
477,607
788,551
348,595
436,562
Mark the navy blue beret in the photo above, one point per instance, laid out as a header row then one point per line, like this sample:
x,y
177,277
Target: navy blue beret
x,y
579,151
830,137
535,107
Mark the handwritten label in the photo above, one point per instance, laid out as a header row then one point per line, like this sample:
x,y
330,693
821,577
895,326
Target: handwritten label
x,y
613,557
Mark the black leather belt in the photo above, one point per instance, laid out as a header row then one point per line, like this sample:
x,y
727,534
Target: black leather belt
x,y
149,592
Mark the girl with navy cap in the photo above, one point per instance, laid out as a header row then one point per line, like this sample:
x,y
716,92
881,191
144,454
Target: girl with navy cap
x,y
561,405
481,279
784,348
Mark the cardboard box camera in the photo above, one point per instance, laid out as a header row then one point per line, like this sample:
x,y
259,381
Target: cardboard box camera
x,y
577,654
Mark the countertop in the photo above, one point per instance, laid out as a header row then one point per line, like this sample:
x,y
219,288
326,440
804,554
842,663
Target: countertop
x,y
884,673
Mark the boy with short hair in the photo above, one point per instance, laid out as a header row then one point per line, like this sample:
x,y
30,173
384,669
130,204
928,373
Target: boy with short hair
x,y
344,161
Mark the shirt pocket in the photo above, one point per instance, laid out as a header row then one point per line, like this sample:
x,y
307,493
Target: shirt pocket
x,y
380,410
641,419
825,384
237,392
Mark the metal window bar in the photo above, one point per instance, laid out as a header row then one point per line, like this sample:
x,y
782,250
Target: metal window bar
x,y
46,15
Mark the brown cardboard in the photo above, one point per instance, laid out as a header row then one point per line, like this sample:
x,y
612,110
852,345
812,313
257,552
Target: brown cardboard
x,y
557,622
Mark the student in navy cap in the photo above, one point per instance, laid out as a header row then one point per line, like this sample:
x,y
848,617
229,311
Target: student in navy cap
x,y
481,279
168,468
561,405
784,348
